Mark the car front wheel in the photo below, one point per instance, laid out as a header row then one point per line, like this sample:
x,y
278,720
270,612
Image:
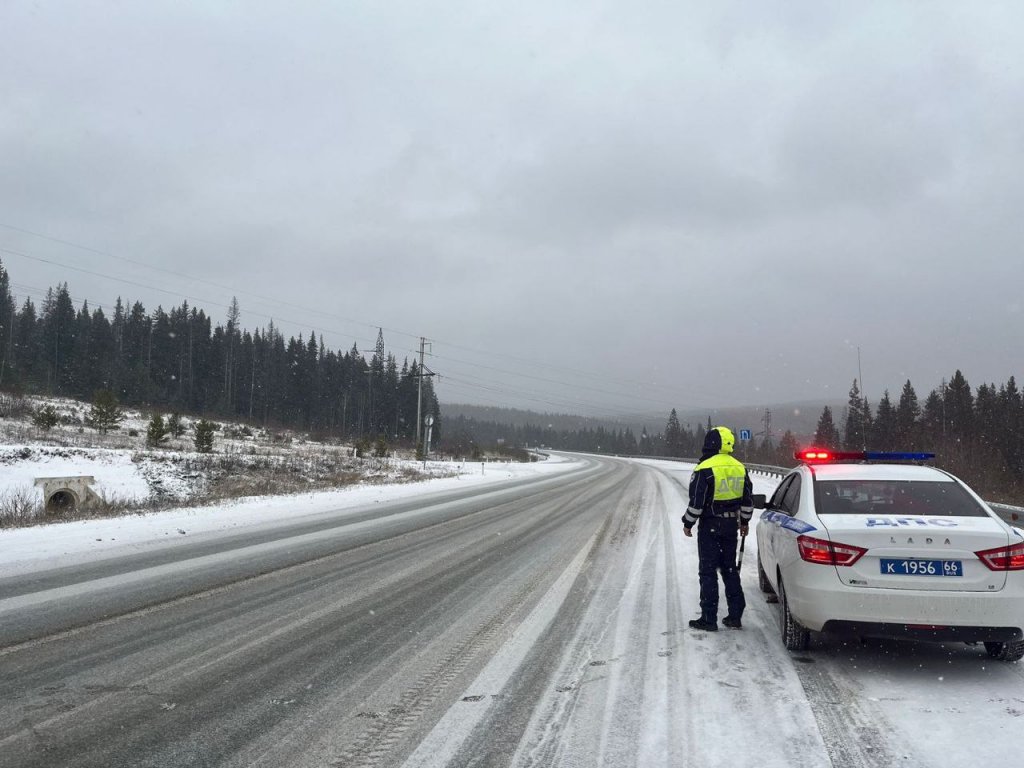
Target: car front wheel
x,y
794,635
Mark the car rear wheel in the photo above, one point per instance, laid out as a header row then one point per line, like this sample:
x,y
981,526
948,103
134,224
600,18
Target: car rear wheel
x,y
794,636
762,579
1012,651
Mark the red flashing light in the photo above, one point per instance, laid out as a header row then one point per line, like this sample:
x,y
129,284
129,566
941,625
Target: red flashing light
x,y
1003,558
813,454
810,455
822,552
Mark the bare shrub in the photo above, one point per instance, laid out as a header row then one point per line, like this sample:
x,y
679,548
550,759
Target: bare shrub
x,y
14,406
19,507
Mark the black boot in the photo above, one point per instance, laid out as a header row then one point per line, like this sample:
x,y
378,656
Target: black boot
x,y
733,623
705,624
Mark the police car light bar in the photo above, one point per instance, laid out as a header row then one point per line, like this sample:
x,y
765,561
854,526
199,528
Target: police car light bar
x,y
819,455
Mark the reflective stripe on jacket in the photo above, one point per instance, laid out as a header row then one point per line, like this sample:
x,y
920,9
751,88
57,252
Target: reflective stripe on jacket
x,y
719,486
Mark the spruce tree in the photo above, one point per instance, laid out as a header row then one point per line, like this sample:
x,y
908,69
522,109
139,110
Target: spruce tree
x,y
885,426
959,409
857,419
908,411
826,435
1011,440
673,435
7,324
788,446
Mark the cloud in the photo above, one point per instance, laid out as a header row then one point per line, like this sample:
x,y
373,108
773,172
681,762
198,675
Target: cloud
x,y
648,187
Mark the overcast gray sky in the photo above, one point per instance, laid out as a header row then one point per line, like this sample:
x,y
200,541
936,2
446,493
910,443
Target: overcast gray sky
x,y
669,203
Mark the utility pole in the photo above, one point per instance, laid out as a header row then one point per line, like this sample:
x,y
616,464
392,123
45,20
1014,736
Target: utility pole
x,y
863,406
419,394
421,373
767,420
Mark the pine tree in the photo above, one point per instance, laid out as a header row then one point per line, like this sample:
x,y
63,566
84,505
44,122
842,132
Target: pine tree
x,y
58,337
826,435
157,431
231,336
788,446
885,426
106,413
100,363
1011,440
7,324
959,409
673,435
907,413
28,348
203,439
933,419
857,420
175,425
45,417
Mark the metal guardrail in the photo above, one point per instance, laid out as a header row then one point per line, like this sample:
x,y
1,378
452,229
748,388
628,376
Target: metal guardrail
x,y
768,469
1007,512
1012,515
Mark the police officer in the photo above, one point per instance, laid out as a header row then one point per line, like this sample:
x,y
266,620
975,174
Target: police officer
x,y
720,498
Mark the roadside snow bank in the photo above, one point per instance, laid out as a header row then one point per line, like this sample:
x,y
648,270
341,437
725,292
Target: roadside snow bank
x,y
24,550
117,476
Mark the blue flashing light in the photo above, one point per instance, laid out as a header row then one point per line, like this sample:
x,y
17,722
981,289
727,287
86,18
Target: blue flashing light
x,y
897,456
817,455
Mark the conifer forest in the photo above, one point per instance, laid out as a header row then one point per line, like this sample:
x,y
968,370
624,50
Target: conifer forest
x,y
183,361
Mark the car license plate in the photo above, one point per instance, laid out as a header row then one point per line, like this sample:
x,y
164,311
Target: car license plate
x,y
922,567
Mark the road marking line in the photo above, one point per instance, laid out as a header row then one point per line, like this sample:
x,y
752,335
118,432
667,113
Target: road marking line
x,y
452,730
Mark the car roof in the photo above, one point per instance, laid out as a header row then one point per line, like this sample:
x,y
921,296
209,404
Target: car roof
x,y
868,471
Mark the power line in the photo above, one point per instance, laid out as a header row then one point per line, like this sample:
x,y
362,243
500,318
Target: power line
x,y
175,293
280,302
572,372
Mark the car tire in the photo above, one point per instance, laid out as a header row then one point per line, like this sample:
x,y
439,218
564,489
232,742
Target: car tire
x,y
1012,651
794,635
762,579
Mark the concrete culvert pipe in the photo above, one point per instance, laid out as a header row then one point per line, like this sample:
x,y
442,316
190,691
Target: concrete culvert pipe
x,y
62,495
63,500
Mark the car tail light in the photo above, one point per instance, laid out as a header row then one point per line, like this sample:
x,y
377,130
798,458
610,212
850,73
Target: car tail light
x,y
823,552
1003,558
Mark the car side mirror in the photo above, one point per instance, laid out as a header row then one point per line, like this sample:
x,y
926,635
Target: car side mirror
x,y
760,501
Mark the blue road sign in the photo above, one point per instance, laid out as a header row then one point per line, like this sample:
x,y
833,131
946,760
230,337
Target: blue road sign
x,y
745,434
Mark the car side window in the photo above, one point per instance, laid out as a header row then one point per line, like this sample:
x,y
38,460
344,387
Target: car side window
x,y
780,494
791,501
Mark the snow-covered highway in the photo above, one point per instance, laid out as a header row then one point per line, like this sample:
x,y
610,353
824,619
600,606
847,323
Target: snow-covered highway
x,y
532,622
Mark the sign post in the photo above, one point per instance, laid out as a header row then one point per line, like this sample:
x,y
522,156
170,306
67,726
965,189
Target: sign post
x,y
429,423
745,437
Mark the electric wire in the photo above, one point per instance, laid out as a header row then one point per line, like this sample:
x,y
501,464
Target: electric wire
x,y
575,402
235,291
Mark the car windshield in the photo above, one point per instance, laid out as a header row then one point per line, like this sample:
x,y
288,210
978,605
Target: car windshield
x,y
895,497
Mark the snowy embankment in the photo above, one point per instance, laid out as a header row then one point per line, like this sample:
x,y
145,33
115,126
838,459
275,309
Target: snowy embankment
x,y
23,550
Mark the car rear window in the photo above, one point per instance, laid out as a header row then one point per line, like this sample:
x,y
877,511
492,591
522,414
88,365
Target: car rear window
x,y
895,497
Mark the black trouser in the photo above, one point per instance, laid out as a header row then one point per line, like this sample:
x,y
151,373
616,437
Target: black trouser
x,y
716,548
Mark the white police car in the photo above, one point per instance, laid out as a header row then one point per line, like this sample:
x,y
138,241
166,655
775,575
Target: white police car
x,y
858,543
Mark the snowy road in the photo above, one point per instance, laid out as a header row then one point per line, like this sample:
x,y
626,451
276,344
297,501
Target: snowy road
x,y
538,623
